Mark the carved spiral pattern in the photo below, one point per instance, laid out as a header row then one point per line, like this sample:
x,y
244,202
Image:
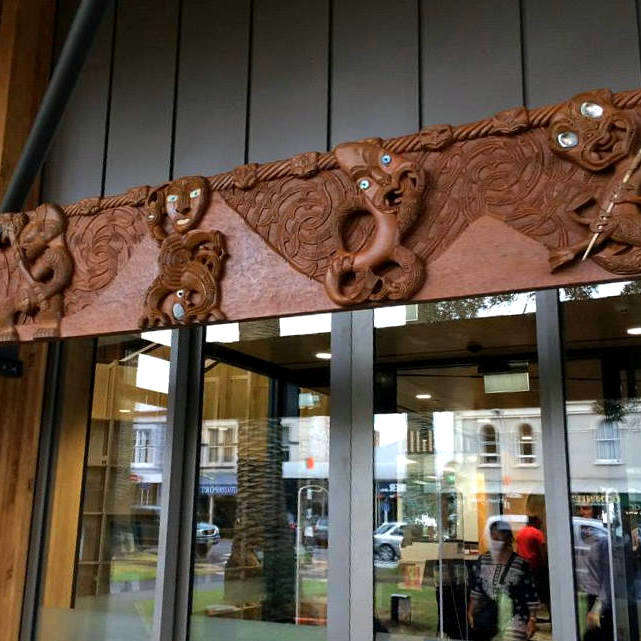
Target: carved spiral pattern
x,y
296,218
101,245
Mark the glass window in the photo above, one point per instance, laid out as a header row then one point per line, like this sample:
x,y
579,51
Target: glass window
x,y
460,522
608,442
603,389
489,446
102,536
261,539
526,445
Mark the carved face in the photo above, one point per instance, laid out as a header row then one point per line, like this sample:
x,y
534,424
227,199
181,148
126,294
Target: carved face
x,y
592,132
182,201
389,181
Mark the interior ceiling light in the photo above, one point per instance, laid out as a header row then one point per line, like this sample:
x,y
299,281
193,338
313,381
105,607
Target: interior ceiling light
x,y
634,331
125,411
423,397
324,356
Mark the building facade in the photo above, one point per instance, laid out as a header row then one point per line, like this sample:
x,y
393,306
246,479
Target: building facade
x,y
291,465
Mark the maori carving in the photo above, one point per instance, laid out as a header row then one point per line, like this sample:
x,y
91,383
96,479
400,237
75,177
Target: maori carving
x,y
392,192
366,221
190,264
591,132
38,267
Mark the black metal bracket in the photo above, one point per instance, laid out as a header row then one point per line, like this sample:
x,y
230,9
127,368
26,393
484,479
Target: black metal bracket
x,y
10,367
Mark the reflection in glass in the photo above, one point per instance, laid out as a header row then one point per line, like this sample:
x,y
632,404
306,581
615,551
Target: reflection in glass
x,y
102,537
260,558
459,542
603,375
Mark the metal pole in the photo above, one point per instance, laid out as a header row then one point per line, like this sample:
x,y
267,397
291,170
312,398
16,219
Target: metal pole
x,y
63,80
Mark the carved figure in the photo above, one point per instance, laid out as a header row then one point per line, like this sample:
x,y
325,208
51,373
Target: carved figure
x,y
591,132
38,268
190,264
391,190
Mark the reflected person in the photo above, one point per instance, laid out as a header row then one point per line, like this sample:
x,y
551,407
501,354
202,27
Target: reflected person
x,y
593,578
503,600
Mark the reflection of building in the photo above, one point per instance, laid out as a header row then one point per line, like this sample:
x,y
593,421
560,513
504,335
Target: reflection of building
x,y
147,459
486,462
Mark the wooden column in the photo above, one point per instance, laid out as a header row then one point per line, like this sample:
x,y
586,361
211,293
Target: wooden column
x,y
21,403
26,37
25,60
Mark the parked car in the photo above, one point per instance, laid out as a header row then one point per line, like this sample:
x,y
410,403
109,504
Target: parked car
x,y
320,532
207,534
388,538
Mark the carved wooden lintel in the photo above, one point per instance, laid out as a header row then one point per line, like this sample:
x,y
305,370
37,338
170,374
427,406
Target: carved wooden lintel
x,y
524,199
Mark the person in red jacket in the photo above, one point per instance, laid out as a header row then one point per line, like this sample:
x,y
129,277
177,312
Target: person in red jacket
x,y
530,545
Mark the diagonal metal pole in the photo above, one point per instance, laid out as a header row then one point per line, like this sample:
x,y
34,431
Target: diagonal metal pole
x,y
63,80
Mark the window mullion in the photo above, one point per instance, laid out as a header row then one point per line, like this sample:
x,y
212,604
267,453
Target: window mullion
x,y
556,465
171,613
362,486
340,479
350,603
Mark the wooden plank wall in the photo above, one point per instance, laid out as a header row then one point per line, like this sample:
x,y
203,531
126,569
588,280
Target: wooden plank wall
x,y
177,87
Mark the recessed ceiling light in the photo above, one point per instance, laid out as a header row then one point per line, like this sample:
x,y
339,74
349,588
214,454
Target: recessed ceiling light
x,y
125,411
324,356
423,397
634,331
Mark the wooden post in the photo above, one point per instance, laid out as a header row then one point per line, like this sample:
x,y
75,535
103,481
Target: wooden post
x,y
21,403
26,37
26,32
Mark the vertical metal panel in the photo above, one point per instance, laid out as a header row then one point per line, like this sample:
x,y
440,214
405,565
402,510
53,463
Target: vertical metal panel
x,y
288,99
340,479
176,517
190,370
576,45
142,100
362,487
555,460
75,160
350,605
212,86
374,69
470,59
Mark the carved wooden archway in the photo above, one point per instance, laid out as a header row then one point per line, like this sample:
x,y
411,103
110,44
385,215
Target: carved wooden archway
x,y
525,199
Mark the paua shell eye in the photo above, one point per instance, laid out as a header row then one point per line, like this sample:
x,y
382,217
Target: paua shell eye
x,y
591,110
172,198
386,159
180,293
363,184
195,193
567,139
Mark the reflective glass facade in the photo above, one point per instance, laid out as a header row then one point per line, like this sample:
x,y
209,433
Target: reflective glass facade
x,y
463,470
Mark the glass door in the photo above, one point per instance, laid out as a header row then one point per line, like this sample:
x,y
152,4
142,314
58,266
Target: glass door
x,y
459,513
603,413
261,531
